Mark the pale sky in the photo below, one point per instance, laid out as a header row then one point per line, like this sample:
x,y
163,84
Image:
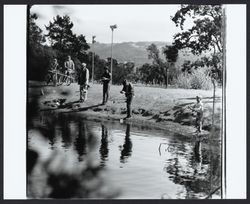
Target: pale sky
x,y
135,22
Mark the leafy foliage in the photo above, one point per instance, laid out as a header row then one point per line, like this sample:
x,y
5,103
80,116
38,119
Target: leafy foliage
x,y
63,39
205,34
214,62
35,37
171,53
198,79
39,55
159,71
159,68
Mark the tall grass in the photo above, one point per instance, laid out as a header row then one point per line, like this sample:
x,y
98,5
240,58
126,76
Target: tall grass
x,y
198,79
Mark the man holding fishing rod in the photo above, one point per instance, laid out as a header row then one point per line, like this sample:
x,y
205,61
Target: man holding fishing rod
x,y
128,90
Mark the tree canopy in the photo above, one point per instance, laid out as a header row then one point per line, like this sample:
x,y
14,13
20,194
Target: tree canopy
x,y
158,72
62,38
36,38
171,53
205,34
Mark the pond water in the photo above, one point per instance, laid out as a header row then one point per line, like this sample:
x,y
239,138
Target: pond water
x,y
71,157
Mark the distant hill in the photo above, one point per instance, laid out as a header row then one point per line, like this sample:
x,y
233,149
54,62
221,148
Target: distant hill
x,y
127,51
136,52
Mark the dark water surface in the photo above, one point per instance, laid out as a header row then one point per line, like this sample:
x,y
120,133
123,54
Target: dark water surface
x,y
71,157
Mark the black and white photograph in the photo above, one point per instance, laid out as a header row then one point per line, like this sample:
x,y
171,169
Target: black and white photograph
x,y
125,101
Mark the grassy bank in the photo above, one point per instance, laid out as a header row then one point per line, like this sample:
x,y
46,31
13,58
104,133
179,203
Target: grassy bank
x,y
158,107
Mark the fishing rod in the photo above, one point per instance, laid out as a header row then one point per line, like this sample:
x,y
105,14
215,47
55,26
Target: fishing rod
x,y
118,98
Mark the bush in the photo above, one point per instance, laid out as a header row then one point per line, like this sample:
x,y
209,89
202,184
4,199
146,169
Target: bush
x,y
183,81
198,79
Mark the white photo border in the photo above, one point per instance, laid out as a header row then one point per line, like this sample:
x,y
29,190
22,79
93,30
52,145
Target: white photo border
x,y
15,19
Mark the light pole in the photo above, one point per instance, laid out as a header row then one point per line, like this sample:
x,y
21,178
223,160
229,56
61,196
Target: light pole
x,y
93,58
111,64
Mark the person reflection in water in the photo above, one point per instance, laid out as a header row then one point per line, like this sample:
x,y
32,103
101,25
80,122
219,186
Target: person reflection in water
x,y
80,142
197,156
104,145
127,146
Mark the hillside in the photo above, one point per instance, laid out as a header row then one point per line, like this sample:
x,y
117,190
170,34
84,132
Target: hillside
x,y
136,52
127,51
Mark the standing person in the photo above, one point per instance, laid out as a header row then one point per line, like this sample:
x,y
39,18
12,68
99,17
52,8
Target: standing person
x,y
128,90
69,69
83,81
106,77
52,75
198,108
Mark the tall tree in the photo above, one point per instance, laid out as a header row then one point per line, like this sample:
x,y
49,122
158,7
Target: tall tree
x,y
39,55
62,38
160,68
35,37
60,33
205,34
171,55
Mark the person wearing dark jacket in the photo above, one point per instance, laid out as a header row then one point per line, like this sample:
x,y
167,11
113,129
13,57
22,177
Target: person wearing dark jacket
x,y
83,81
128,90
106,86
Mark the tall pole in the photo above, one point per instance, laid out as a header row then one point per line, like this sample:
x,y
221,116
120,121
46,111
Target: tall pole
x,y
93,59
93,65
111,63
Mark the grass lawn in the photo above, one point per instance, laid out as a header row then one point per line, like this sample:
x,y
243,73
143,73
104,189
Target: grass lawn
x,y
161,107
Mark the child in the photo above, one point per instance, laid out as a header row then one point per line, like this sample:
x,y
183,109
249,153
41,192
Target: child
x,y
198,108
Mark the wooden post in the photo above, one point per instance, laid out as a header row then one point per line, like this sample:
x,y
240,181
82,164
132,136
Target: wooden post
x,y
213,81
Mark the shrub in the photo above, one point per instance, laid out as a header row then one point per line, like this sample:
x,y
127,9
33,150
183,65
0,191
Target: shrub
x,y
198,79
183,81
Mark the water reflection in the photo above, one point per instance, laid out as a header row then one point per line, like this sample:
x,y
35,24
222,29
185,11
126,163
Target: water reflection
x,y
80,141
69,157
197,160
104,145
65,132
126,151
54,172
194,169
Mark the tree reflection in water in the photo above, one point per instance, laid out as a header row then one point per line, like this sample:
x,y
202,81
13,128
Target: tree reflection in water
x,y
197,169
67,171
127,146
65,131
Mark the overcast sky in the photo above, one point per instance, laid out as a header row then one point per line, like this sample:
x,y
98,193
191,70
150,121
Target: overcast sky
x,y
135,22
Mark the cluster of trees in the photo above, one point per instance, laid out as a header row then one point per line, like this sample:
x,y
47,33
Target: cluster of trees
x,y
159,71
60,41
205,35
214,62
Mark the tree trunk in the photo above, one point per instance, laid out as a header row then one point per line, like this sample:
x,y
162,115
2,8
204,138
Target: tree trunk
x,y
166,79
